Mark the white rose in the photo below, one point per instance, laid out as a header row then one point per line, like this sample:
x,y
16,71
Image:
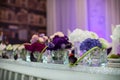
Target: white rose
x,y
60,34
41,40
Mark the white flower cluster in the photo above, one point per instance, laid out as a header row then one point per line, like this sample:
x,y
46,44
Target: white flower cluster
x,y
41,38
79,35
116,33
60,34
116,40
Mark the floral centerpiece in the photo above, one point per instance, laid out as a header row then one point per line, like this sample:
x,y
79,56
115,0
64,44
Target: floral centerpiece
x,y
37,46
91,47
116,40
9,51
78,35
58,45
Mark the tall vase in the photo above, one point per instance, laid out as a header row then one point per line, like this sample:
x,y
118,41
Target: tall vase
x,y
116,46
116,40
59,56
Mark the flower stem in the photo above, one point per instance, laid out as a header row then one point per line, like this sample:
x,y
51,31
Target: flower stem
x,y
40,56
81,58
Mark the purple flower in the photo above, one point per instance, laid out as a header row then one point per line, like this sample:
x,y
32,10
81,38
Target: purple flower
x,y
59,43
89,43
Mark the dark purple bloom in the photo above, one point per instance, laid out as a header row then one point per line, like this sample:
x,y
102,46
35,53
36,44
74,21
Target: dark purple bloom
x,y
89,43
59,43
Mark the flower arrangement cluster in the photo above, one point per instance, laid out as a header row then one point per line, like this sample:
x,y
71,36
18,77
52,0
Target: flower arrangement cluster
x,y
115,54
59,41
9,51
58,46
116,40
38,44
87,38
89,42
115,34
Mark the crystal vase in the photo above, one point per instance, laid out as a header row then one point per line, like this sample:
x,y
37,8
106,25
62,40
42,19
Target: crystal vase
x,y
95,58
31,56
59,56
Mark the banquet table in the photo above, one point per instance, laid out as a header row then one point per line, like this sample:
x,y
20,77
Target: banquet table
x,y
21,70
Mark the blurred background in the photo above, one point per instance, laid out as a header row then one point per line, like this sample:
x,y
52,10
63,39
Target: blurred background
x,y
20,19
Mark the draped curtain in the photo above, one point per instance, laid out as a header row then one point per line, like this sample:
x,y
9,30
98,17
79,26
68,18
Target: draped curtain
x,y
94,15
112,16
65,15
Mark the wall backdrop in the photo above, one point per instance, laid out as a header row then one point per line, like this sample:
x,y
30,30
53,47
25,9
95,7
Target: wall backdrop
x,y
93,15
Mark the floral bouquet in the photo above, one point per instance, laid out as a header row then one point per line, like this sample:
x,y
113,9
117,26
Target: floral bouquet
x,y
116,40
9,51
58,45
59,41
91,47
78,36
37,45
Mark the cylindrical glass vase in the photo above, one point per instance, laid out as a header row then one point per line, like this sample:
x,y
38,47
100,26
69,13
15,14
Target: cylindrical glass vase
x,y
59,56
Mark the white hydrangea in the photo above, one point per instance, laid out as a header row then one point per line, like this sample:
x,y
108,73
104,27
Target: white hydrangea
x,y
79,35
116,33
116,40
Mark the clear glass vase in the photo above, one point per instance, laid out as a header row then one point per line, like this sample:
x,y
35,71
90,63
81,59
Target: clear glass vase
x,y
47,58
95,58
24,54
77,49
7,54
59,56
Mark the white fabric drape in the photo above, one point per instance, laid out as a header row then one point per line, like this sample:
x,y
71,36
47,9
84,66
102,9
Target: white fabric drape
x,y
64,15
81,14
112,15
51,17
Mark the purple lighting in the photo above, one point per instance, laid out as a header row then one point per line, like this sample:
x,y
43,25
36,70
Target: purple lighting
x,y
96,17
65,15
